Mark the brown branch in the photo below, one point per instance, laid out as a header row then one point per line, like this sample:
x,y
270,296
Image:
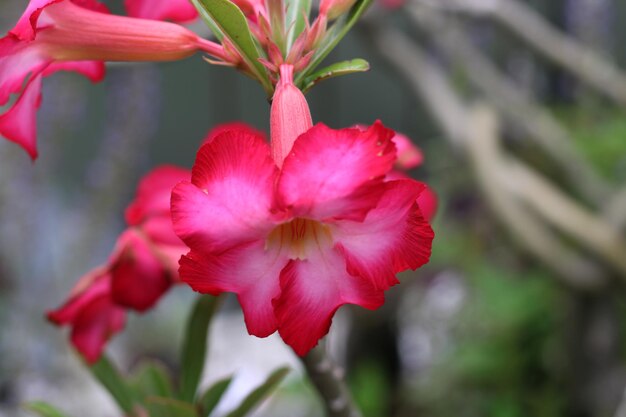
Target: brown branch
x,y
328,380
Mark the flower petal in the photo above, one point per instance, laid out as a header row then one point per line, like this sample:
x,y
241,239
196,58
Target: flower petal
x,y
174,10
26,26
93,70
409,155
154,193
311,292
17,61
393,237
138,276
225,127
19,123
228,202
329,173
250,271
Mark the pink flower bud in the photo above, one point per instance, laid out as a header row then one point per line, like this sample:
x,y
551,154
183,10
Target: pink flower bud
x,y
335,8
290,115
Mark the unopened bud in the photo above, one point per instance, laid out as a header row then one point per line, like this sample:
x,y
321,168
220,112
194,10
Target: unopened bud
x,y
335,8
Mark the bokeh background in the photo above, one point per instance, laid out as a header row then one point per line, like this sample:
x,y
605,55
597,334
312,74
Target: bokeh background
x,y
519,108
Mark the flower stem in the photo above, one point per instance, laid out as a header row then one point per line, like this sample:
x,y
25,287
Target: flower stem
x,y
328,380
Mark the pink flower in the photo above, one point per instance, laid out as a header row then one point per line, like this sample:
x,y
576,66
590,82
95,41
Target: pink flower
x,y
297,238
141,269
55,35
174,10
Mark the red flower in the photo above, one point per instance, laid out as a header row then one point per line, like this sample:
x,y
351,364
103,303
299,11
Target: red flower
x,y
140,271
299,238
55,35
174,10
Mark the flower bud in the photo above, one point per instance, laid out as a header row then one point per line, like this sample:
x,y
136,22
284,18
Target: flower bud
x,y
335,8
290,115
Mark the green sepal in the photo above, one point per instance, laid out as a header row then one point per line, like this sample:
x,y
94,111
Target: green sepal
x,y
195,346
43,409
233,24
169,407
260,393
152,379
213,395
109,377
334,35
335,70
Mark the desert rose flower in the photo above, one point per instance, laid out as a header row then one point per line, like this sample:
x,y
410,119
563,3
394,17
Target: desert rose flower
x,y
141,269
65,35
299,229
179,11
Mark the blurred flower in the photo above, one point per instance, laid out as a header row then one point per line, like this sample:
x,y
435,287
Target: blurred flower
x,y
297,238
141,269
332,9
175,10
64,35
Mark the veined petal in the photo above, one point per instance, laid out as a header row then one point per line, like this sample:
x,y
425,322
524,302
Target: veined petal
x,y
250,271
154,193
138,275
230,195
19,123
311,292
393,237
174,10
18,60
238,126
330,173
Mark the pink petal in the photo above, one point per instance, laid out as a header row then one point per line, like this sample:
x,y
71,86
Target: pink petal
x,y
228,202
428,202
89,287
311,292
393,237
154,193
174,10
27,24
225,127
19,124
18,60
96,324
138,277
250,271
160,230
93,70
330,173
409,155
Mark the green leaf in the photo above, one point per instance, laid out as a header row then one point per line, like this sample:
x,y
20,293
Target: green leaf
x,y
208,20
335,34
213,395
233,24
43,409
152,379
335,70
108,375
169,407
259,394
295,19
195,345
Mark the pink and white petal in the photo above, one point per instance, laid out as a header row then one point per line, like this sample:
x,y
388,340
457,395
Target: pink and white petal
x,y
92,70
328,173
138,276
96,324
251,272
229,200
19,123
26,26
311,291
393,237
174,10
17,60
154,193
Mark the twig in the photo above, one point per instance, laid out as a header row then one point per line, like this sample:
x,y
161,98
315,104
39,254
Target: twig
x,y
510,101
328,379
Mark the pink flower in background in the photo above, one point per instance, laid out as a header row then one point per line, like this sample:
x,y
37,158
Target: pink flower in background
x,y
141,269
64,35
175,10
298,235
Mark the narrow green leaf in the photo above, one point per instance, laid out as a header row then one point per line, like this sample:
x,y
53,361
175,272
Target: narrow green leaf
x,y
233,24
335,70
108,375
152,379
213,395
335,34
43,409
259,394
195,345
169,407
295,19
208,20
